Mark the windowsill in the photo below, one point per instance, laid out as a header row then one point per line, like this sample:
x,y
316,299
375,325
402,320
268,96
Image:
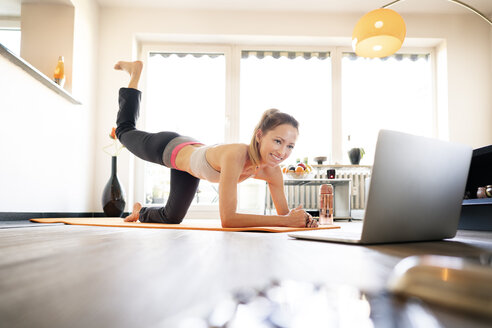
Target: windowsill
x,y
37,74
322,166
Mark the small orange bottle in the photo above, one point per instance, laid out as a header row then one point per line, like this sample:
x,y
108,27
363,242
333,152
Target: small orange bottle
x,y
59,75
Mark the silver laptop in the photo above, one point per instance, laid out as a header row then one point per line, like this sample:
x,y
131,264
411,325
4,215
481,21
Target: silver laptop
x,y
416,191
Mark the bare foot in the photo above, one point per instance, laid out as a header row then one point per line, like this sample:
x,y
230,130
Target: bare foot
x,y
133,68
135,213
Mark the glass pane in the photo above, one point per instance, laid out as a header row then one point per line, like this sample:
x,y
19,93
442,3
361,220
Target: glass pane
x,y
292,84
393,93
185,94
298,86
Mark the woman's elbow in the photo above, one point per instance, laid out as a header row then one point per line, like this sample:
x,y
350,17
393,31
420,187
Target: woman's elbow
x,y
227,220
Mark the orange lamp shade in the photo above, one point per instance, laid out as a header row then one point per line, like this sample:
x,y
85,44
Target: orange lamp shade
x,y
379,33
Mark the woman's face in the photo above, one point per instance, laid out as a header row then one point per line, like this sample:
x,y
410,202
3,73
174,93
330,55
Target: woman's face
x,y
277,144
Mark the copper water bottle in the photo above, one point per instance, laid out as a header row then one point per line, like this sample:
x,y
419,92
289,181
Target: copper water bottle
x,y
326,204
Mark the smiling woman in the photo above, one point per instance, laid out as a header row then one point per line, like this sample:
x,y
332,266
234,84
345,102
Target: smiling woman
x,y
228,164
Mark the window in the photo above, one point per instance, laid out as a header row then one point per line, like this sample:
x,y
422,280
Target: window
x,y
217,94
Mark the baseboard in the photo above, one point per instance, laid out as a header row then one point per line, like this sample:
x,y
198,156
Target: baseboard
x,y
19,216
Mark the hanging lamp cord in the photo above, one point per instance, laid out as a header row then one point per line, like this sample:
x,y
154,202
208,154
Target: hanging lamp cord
x,y
460,3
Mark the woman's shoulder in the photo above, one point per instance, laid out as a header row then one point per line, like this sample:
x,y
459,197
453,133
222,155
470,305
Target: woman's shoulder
x,y
230,152
233,148
270,174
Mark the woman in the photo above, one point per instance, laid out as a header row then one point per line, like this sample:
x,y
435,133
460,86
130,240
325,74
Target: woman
x,y
228,164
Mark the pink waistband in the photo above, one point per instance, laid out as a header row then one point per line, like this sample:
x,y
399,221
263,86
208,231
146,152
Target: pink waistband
x,y
176,150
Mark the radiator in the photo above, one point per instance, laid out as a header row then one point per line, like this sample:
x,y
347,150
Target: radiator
x,y
349,194
358,190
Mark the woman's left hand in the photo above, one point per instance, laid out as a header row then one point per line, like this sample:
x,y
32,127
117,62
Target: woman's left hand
x,y
310,222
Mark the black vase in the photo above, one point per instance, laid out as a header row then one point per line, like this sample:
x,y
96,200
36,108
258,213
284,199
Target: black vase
x,y
354,156
113,197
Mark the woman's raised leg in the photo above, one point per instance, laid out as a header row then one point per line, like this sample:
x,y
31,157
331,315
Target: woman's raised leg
x,y
147,146
150,147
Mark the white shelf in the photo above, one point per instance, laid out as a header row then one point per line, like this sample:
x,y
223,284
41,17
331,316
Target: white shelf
x,y
31,70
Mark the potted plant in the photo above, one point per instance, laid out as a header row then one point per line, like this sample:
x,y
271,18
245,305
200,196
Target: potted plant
x,y
355,155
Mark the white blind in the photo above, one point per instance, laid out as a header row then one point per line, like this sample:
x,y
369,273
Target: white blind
x,y
184,54
287,54
398,57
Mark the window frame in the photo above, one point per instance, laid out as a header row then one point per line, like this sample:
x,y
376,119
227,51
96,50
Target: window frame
x,y
232,54
196,210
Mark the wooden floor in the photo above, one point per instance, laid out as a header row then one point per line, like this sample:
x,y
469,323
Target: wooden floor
x,y
75,276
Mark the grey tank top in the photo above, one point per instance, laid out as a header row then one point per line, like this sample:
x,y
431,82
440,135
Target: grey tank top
x,y
201,168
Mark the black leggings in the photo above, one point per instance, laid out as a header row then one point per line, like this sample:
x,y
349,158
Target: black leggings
x,y
150,147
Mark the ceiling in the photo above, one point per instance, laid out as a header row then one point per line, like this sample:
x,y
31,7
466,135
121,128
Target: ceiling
x,y
12,7
335,6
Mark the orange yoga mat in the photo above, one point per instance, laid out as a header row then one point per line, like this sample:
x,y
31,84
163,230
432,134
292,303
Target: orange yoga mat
x,y
189,224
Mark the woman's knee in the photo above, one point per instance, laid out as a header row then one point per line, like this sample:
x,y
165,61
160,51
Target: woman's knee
x,y
174,220
160,215
175,216
121,129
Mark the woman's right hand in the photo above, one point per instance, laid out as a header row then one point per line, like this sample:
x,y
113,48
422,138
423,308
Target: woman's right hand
x,y
298,218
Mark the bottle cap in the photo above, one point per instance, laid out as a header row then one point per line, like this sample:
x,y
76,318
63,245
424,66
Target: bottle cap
x,y
323,189
326,189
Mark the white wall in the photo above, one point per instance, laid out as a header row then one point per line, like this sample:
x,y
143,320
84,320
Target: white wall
x,y
47,143
468,71
467,41
85,85
42,166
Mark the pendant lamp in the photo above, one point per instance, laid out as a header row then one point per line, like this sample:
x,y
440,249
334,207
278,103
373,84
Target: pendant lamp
x,y
379,33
